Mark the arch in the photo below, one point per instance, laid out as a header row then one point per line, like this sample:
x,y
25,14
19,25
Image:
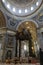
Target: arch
x,y
28,21
3,19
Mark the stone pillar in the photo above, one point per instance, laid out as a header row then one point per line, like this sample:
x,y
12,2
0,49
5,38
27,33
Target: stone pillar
x,y
3,47
19,48
16,48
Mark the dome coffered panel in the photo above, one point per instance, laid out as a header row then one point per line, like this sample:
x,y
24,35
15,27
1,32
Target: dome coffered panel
x,y
22,3
22,8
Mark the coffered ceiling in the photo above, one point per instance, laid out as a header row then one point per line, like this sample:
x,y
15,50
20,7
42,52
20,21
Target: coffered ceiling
x,y
22,3
22,8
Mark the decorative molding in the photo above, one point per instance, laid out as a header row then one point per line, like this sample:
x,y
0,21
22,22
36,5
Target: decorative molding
x,y
28,21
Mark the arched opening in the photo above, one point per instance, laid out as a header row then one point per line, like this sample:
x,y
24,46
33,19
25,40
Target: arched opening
x,y
2,20
27,44
2,23
2,34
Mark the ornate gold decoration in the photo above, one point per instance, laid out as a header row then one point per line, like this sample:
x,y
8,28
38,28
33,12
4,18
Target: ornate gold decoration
x,y
31,27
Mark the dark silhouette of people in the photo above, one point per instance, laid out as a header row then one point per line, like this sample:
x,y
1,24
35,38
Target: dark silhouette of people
x,y
41,57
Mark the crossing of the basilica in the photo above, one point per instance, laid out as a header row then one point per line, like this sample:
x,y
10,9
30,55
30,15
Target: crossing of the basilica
x,y
21,32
